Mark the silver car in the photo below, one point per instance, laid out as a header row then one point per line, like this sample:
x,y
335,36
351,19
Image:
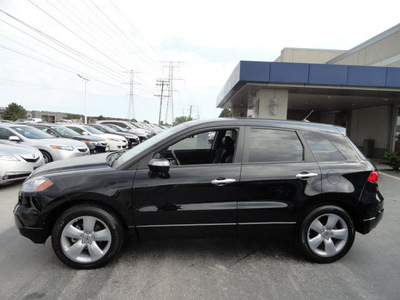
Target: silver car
x,y
17,162
52,148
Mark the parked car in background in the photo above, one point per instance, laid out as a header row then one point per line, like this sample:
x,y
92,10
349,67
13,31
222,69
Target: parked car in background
x,y
128,127
258,178
94,143
133,139
116,142
18,162
52,148
149,131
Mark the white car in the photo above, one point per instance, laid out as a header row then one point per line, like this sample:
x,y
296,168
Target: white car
x,y
116,142
18,162
52,148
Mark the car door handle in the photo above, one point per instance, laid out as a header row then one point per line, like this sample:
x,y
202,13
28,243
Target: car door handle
x,y
222,181
306,175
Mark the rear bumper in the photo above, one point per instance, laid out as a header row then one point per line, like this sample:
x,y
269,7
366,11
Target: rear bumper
x,y
369,224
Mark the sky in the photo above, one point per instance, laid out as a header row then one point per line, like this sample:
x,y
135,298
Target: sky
x,y
45,44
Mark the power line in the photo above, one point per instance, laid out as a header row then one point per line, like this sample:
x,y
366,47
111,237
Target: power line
x,y
123,33
75,52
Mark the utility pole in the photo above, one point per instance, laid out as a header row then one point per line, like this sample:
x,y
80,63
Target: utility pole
x,y
85,80
163,83
170,102
190,110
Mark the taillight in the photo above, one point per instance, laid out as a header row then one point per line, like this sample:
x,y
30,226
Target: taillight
x,y
373,177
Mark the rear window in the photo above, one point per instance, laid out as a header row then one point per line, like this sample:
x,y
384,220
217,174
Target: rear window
x,y
322,148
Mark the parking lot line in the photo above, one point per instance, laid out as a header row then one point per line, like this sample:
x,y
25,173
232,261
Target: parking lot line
x,y
391,176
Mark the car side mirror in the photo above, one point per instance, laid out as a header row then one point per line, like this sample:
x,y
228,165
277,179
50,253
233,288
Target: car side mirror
x,y
14,138
159,167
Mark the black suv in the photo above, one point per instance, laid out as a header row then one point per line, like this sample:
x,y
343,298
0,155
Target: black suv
x,y
294,180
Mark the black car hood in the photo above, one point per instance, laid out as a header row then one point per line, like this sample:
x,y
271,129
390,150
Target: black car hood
x,y
74,164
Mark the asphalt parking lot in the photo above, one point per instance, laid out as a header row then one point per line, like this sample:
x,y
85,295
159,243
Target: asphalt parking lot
x,y
206,269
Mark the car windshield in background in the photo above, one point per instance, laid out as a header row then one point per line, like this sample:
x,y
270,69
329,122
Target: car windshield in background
x,y
109,129
128,155
32,133
92,130
65,131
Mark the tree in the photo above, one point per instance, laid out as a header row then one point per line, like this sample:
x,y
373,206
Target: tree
x,y
225,113
100,118
145,121
182,119
73,117
14,112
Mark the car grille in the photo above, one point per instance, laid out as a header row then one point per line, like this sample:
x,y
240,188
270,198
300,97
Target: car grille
x,y
15,176
32,160
82,149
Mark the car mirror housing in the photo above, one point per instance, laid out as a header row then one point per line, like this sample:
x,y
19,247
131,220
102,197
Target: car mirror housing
x,y
14,138
159,167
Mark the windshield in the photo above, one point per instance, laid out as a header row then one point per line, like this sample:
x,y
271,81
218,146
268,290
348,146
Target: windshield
x,y
32,133
92,130
108,129
115,127
128,155
65,131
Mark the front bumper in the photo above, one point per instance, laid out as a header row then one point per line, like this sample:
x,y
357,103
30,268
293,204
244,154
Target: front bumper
x,y
25,218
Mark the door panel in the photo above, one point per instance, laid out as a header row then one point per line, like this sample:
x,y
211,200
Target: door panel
x,y
187,203
272,193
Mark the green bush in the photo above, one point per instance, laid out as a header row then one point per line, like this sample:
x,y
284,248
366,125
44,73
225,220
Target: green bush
x,y
393,159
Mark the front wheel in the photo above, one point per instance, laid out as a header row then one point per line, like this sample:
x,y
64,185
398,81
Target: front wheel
x,y
326,234
87,237
47,157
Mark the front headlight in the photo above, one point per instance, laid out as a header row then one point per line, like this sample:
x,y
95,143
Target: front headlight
x,y
115,140
8,157
68,148
37,184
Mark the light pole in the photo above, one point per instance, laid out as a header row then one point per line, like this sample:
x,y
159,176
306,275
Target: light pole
x,y
86,80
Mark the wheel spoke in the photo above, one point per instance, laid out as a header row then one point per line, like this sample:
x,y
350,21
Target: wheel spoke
x,y
102,235
95,251
315,242
317,226
330,248
88,224
340,234
72,232
332,221
75,250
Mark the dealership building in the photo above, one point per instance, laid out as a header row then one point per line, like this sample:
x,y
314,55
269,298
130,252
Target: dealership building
x,y
358,89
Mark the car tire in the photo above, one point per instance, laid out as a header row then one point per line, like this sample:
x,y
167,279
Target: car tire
x,y
87,237
47,157
326,234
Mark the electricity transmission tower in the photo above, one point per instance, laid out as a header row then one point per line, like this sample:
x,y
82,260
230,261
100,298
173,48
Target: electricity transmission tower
x,y
169,113
131,105
163,83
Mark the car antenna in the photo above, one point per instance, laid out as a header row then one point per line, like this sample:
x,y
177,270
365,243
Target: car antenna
x,y
305,119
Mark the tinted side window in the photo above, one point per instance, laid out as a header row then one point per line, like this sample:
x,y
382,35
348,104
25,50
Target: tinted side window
x,y
5,134
322,148
343,145
269,145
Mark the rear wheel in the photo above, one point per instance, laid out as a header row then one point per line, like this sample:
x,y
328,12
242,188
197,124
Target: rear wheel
x,y
87,237
326,234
